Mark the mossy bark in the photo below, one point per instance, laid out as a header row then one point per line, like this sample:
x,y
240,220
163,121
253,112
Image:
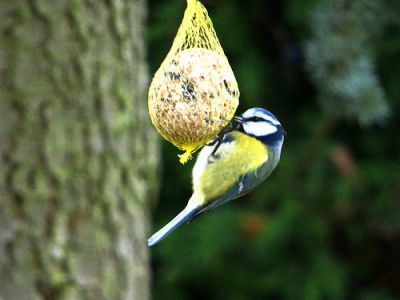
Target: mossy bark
x,y
77,155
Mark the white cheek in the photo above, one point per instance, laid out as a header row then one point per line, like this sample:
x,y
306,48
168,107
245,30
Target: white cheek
x,y
259,128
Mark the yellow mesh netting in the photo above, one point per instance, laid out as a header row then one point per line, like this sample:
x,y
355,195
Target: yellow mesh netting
x,y
194,93
196,31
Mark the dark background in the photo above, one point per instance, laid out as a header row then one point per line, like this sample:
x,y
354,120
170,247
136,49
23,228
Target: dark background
x,y
326,223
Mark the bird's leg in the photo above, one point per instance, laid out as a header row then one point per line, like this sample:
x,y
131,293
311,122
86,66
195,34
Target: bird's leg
x,y
220,137
213,142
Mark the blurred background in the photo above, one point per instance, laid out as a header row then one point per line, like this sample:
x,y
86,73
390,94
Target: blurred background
x,y
326,223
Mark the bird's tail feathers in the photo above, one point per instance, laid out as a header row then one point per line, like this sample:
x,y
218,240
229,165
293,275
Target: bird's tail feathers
x,y
182,217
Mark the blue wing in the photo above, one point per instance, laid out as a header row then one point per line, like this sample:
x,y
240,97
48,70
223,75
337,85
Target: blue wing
x,y
243,186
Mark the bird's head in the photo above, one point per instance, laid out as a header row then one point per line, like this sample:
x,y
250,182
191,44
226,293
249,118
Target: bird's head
x,y
261,124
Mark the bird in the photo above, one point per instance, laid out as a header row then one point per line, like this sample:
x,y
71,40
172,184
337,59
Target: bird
x,y
231,165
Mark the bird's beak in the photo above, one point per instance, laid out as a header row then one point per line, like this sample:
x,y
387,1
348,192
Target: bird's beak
x,y
238,119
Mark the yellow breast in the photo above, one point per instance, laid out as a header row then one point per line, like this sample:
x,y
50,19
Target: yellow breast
x,y
247,155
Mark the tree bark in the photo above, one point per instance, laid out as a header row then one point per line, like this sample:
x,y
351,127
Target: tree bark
x,y
77,155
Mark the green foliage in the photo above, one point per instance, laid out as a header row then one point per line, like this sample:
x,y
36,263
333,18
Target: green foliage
x,y
326,224
339,61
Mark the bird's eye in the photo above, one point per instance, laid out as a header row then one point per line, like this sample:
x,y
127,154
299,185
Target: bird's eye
x,y
256,119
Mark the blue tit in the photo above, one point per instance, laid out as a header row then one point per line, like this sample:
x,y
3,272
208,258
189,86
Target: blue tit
x,y
232,167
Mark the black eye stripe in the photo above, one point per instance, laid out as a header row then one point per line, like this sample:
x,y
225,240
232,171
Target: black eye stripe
x,y
255,119
259,119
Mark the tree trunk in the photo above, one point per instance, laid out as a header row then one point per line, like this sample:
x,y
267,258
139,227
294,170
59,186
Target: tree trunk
x,y
77,155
